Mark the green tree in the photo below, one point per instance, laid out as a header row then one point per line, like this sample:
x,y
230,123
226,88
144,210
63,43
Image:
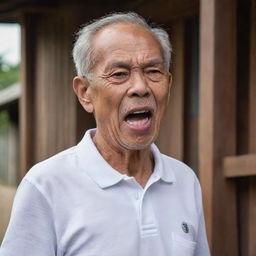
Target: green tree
x,y
9,74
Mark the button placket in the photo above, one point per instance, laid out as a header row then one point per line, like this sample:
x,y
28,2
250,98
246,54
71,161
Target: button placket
x,y
147,217
143,207
136,195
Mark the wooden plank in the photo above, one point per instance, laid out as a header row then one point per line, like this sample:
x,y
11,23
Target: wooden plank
x,y
171,137
217,121
239,166
206,122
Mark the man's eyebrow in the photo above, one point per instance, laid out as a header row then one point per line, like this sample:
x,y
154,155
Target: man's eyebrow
x,y
121,64
153,63
117,64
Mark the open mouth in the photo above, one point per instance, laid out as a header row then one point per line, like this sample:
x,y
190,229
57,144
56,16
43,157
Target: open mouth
x,y
139,118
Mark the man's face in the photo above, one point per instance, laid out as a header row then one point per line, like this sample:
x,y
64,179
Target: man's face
x,y
129,87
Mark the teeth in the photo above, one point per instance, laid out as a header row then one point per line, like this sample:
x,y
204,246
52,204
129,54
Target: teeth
x,y
140,112
138,122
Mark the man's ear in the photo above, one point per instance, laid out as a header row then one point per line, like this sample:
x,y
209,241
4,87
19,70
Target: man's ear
x,y
81,89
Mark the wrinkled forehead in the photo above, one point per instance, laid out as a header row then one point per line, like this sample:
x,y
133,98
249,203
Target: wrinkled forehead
x,y
126,41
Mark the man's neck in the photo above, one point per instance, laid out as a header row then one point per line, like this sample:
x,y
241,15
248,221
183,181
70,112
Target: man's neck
x,y
136,163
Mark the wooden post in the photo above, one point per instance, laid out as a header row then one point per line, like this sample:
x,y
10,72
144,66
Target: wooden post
x,y
217,121
252,134
252,111
27,93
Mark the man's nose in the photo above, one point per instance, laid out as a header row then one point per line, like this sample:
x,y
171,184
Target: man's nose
x,y
138,85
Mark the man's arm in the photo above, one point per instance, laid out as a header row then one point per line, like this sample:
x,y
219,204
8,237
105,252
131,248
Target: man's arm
x,y
31,229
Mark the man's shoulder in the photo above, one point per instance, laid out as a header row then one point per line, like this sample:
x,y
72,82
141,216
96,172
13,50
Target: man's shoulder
x,y
55,165
179,168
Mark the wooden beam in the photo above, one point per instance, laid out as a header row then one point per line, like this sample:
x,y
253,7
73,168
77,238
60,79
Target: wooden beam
x,y
9,95
239,166
166,10
217,121
35,6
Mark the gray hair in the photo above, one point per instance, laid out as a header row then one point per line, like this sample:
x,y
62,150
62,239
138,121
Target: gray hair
x,y
83,48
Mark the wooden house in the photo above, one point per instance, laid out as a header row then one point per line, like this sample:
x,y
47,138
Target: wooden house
x,y
210,122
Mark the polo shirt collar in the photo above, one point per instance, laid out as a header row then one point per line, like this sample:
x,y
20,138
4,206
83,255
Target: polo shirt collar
x,y
164,172
92,162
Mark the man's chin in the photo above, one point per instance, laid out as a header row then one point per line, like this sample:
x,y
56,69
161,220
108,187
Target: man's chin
x,y
136,145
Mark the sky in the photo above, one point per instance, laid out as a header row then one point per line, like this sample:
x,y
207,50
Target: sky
x,y
10,42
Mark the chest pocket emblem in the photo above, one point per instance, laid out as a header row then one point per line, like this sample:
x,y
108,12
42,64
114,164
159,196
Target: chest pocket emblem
x,y
185,227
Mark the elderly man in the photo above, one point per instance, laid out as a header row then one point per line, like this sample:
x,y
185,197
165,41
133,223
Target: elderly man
x,y
114,194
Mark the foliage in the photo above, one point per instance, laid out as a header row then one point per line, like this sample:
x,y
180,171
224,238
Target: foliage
x,y
9,74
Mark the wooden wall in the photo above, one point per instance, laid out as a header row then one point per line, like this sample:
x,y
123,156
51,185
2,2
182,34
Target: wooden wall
x,y
52,119
54,101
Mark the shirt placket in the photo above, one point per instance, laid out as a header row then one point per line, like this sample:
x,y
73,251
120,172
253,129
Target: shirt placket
x,y
144,210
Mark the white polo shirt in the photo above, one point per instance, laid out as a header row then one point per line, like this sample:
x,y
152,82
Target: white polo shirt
x,y
76,204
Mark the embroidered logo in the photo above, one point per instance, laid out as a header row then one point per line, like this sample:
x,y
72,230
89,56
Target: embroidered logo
x,y
184,227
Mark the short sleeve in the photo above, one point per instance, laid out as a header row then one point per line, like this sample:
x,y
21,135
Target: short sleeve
x,y
31,230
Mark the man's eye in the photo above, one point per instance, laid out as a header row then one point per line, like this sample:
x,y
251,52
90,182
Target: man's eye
x,y
120,75
154,75
154,71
